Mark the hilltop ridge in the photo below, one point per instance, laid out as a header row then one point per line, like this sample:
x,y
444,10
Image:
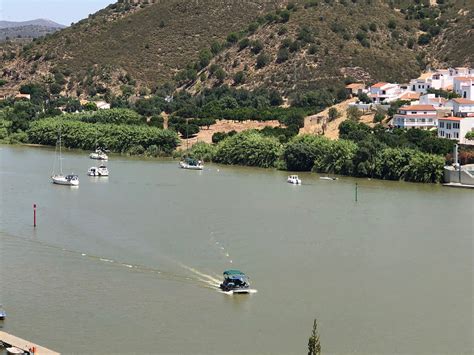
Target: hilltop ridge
x,y
138,45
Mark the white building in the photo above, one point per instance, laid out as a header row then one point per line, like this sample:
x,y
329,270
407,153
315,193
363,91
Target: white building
x,y
464,86
416,116
384,93
102,105
456,128
463,107
422,83
436,101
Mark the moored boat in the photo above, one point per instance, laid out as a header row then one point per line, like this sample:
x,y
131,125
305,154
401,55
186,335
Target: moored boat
x,y
71,180
98,171
191,164
294,179
61,179
99,154
3,314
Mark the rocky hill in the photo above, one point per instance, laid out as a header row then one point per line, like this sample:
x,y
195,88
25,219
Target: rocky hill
x,y
10,30
137,45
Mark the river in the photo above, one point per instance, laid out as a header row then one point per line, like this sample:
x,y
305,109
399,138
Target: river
x,y
128,263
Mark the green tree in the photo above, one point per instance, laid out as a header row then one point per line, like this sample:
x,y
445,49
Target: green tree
x,y
300,153
314,343
220,75
333,114
470,135
248,148
353,113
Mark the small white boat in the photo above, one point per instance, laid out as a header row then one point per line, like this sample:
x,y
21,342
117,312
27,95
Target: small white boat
x,y
61,179
191,164
327,178
98,171
71,180
14,350
3,314
99,154
294,179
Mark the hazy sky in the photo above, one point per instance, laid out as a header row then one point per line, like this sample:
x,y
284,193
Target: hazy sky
x,y
61,11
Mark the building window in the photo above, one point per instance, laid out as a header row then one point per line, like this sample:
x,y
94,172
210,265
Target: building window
x,y
413,112
441,133
456,125
456,135
448,125
441,125
448,135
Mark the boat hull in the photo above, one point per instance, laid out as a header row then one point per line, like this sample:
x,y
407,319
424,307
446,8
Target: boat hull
x,y
61,180
190,167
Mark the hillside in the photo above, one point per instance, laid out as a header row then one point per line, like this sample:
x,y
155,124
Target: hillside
x,y
145,42
27,29
328,42
137,45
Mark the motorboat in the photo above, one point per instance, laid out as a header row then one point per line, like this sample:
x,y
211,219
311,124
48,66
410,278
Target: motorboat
x,y
98,171
327,178
71,180
99,154
235,281
294,179
191,164
61,179
3,314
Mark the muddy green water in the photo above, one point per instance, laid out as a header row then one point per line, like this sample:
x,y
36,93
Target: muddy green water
x,y
127,264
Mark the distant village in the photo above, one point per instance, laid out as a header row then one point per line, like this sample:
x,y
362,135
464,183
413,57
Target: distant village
x,y
453,118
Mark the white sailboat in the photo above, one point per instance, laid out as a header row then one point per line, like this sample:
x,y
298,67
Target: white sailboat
x,y
61,179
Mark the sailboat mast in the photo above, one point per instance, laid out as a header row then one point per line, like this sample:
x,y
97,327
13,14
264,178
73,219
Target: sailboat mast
x,y
60,157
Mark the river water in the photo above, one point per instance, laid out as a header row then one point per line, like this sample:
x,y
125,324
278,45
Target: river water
x,y
128,263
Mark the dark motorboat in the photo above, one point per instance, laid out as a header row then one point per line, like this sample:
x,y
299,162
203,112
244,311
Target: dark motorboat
x,y
235,281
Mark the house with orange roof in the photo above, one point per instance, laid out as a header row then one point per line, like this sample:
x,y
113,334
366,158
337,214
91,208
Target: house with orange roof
x,y
456,128
355,89
463,107
416,116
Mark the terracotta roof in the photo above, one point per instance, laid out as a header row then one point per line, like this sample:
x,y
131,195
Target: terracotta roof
x,y
463,101
451,118
379,85
425,76
463,78
355,86
418,108
410,96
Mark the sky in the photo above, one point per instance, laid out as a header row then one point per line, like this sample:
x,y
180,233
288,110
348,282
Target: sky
x,y
60,11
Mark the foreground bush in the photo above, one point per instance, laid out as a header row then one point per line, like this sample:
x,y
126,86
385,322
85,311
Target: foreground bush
x,y
118,138
248,148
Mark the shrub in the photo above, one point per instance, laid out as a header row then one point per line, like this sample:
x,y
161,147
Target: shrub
x,y
333,114
262,60
239,78
248,148
202,151
300,153
257,47
232,37
244,43
283,55
424,39
353,113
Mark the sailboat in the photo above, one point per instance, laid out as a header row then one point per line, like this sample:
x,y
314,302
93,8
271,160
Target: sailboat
x,y
61,179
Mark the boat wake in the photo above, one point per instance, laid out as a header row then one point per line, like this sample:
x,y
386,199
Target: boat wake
x,y
231,293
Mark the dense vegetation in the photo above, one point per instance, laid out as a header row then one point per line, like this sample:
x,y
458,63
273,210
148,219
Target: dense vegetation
x,y
122,138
